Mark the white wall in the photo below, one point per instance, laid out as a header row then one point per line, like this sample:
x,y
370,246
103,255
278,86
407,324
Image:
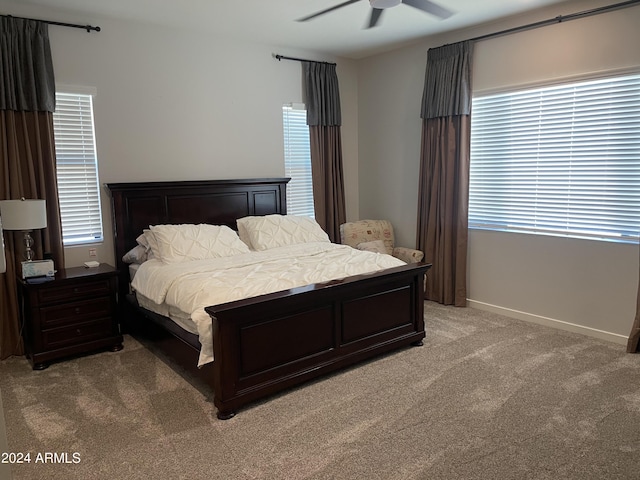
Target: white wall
x,y
183,105
581,285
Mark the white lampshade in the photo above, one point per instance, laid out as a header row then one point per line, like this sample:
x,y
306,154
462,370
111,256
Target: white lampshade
x,y
23,214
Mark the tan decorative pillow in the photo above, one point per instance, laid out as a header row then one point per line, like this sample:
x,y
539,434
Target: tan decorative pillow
x,y
376,246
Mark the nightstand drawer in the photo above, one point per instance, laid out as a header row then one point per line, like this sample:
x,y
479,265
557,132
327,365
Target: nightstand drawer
x,y
75,312
60,337
72,292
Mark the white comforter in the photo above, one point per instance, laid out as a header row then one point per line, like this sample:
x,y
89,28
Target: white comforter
x,y
191,286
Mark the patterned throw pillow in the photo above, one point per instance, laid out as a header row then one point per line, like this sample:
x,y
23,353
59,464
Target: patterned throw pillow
x,y
376,246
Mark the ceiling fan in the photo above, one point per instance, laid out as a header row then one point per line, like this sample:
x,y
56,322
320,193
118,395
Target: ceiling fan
x,y
378,6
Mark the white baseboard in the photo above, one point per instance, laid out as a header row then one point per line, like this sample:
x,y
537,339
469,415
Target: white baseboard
x,y
549,322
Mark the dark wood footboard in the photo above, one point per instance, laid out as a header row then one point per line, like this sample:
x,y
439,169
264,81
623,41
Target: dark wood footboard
x,y
268,343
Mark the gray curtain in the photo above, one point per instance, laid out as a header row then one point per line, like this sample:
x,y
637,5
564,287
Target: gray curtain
x,y
27,155
444,172
26,69
322,98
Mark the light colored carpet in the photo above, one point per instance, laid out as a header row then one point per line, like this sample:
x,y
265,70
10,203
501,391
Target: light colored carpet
x,y
5,468
486,397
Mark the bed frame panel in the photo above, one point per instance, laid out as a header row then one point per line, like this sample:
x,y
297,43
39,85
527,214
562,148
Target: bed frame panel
x,y
265,344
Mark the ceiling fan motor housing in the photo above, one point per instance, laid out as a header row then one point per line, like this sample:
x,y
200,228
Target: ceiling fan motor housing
x,y
384,3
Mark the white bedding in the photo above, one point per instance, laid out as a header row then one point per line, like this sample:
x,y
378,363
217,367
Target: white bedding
x,y
190,286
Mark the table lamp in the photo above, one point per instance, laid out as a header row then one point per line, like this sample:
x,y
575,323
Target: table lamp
x,y
24,215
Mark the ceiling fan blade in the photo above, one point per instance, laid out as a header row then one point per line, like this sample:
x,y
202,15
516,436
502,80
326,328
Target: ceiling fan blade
x,y
330,9
429,7
375,17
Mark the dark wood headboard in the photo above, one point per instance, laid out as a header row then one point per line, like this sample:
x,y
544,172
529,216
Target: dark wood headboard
x,y
135,206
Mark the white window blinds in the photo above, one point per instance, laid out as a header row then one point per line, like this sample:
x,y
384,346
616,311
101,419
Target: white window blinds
x,y
77,167
297,160
558,160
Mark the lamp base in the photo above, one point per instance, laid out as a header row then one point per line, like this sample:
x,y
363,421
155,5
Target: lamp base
x,y
28,243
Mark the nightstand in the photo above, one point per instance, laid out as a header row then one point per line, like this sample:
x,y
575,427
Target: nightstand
x,y
74,313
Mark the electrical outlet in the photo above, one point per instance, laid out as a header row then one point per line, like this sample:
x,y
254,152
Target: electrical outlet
x,y
92,252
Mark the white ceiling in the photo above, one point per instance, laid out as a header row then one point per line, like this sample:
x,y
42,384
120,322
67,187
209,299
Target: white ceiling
x,y
273,22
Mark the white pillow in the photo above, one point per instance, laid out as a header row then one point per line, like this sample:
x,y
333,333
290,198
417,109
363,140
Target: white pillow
x,y
270,231
182,243
145,240
242,233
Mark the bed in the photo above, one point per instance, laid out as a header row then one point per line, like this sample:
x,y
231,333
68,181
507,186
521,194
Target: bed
x,y
268,343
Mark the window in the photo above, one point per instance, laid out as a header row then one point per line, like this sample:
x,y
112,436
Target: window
x,y
558,160
77,167
297,160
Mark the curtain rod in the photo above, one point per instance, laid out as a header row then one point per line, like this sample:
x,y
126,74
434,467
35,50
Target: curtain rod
x,y
88,28
282,57
558,19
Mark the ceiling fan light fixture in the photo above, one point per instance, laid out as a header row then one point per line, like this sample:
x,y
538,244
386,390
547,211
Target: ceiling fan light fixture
x,y
378,7
380,4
